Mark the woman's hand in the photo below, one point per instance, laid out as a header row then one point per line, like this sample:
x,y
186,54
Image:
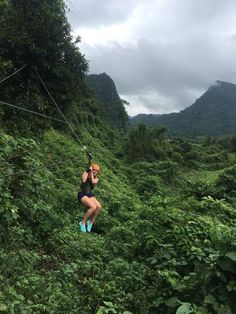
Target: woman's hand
x,y
90,169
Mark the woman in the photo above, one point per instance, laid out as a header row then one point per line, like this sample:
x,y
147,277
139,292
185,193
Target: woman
x,y
86,197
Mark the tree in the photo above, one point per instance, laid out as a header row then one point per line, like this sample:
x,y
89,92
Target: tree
x,y
144,143
37,32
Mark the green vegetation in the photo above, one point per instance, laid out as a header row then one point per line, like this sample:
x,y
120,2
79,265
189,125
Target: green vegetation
x,y
160,240
165,241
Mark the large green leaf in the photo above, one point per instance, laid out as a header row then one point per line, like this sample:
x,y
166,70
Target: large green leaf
x,y
3,307
231,255
185,308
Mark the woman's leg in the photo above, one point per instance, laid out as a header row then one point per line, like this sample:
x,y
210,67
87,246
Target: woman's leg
x,y
92,207
98,208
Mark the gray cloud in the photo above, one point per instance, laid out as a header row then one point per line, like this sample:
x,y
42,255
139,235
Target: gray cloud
x,y
96,13
177,49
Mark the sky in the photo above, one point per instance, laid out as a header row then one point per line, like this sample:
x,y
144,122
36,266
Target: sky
x,y
161,54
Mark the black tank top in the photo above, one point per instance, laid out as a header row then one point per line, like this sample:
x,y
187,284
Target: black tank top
x,y
87,187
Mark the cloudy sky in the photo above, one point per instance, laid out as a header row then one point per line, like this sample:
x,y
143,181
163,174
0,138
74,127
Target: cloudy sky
x,y
161,54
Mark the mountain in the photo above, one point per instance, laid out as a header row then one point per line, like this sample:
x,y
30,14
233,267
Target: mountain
x,y
214,113
149,119
165,236
105,91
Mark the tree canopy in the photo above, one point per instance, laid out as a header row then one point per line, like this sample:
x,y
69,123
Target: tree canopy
x,y
37,33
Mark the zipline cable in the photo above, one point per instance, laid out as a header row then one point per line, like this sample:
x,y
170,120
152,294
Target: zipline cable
x,y
30,170
50,95
31,111
13,73
42,115
18,173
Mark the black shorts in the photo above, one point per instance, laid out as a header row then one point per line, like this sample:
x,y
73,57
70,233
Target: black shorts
x,y
81,194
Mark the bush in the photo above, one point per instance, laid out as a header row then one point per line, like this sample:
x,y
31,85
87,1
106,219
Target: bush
x,y
226,183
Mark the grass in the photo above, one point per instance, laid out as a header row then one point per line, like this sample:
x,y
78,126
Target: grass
x,y
207,176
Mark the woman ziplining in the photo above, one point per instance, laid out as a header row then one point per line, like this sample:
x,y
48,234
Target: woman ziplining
x,y
89,178
87,198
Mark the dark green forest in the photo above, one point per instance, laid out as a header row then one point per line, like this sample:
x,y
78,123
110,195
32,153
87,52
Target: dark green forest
x,y
165,241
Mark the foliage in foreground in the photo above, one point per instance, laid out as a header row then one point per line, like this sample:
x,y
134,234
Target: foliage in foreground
x,y
165,240
157,246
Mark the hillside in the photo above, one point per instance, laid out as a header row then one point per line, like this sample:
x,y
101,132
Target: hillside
x,y
214,114
145,231
165,240
105,90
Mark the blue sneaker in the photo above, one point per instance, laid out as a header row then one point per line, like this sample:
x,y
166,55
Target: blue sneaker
x,y
89,225
82,227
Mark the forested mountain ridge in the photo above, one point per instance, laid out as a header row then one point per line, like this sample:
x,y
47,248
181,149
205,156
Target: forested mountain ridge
x,y
165,239
213,114
105,90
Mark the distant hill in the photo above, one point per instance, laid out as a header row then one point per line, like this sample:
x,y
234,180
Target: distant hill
x,y
105,90
149,119
214,113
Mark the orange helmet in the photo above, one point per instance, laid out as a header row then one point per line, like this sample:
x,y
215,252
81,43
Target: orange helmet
x,y
95,167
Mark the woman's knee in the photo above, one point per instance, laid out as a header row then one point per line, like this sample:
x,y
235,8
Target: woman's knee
x,y
93,207
98,207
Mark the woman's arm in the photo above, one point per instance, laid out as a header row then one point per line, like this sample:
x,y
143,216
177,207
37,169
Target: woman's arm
x,y
94,180
85,177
